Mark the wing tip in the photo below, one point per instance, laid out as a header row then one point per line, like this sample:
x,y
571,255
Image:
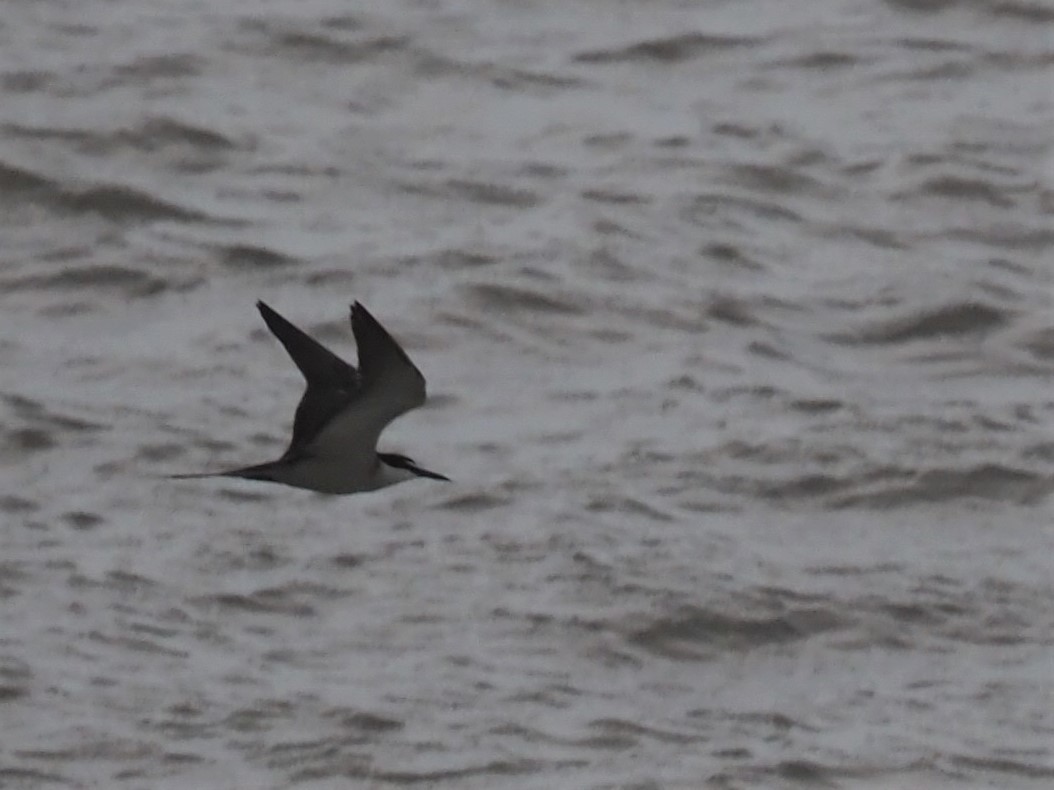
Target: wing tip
x,y
363,318
268,313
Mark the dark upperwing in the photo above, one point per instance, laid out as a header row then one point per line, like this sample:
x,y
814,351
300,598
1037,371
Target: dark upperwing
x,y
331,382
384,367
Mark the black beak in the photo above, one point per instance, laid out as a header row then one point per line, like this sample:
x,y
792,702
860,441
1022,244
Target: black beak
x,y
433,475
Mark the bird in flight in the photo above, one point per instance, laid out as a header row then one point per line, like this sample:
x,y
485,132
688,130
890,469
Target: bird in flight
x,y
343,412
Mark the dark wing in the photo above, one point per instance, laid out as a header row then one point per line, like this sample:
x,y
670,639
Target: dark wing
x,y
390,385
331,382
387,373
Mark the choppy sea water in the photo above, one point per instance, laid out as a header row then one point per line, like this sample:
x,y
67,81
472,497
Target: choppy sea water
x,y
738,321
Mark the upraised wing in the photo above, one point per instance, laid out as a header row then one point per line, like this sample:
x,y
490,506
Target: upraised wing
x,y
385,369
389,385
331,382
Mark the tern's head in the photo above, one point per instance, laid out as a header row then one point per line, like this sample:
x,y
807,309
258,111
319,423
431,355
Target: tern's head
x,y
397,461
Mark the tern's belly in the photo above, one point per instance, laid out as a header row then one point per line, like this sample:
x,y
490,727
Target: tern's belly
x,y
330,478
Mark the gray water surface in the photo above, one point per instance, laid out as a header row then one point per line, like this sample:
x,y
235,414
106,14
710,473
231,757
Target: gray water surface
x,y
738,321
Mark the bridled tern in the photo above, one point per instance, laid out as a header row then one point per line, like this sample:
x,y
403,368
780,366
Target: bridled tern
x,y
342,412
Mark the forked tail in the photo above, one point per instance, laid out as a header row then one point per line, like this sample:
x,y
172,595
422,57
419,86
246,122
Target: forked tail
x,y
258,472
